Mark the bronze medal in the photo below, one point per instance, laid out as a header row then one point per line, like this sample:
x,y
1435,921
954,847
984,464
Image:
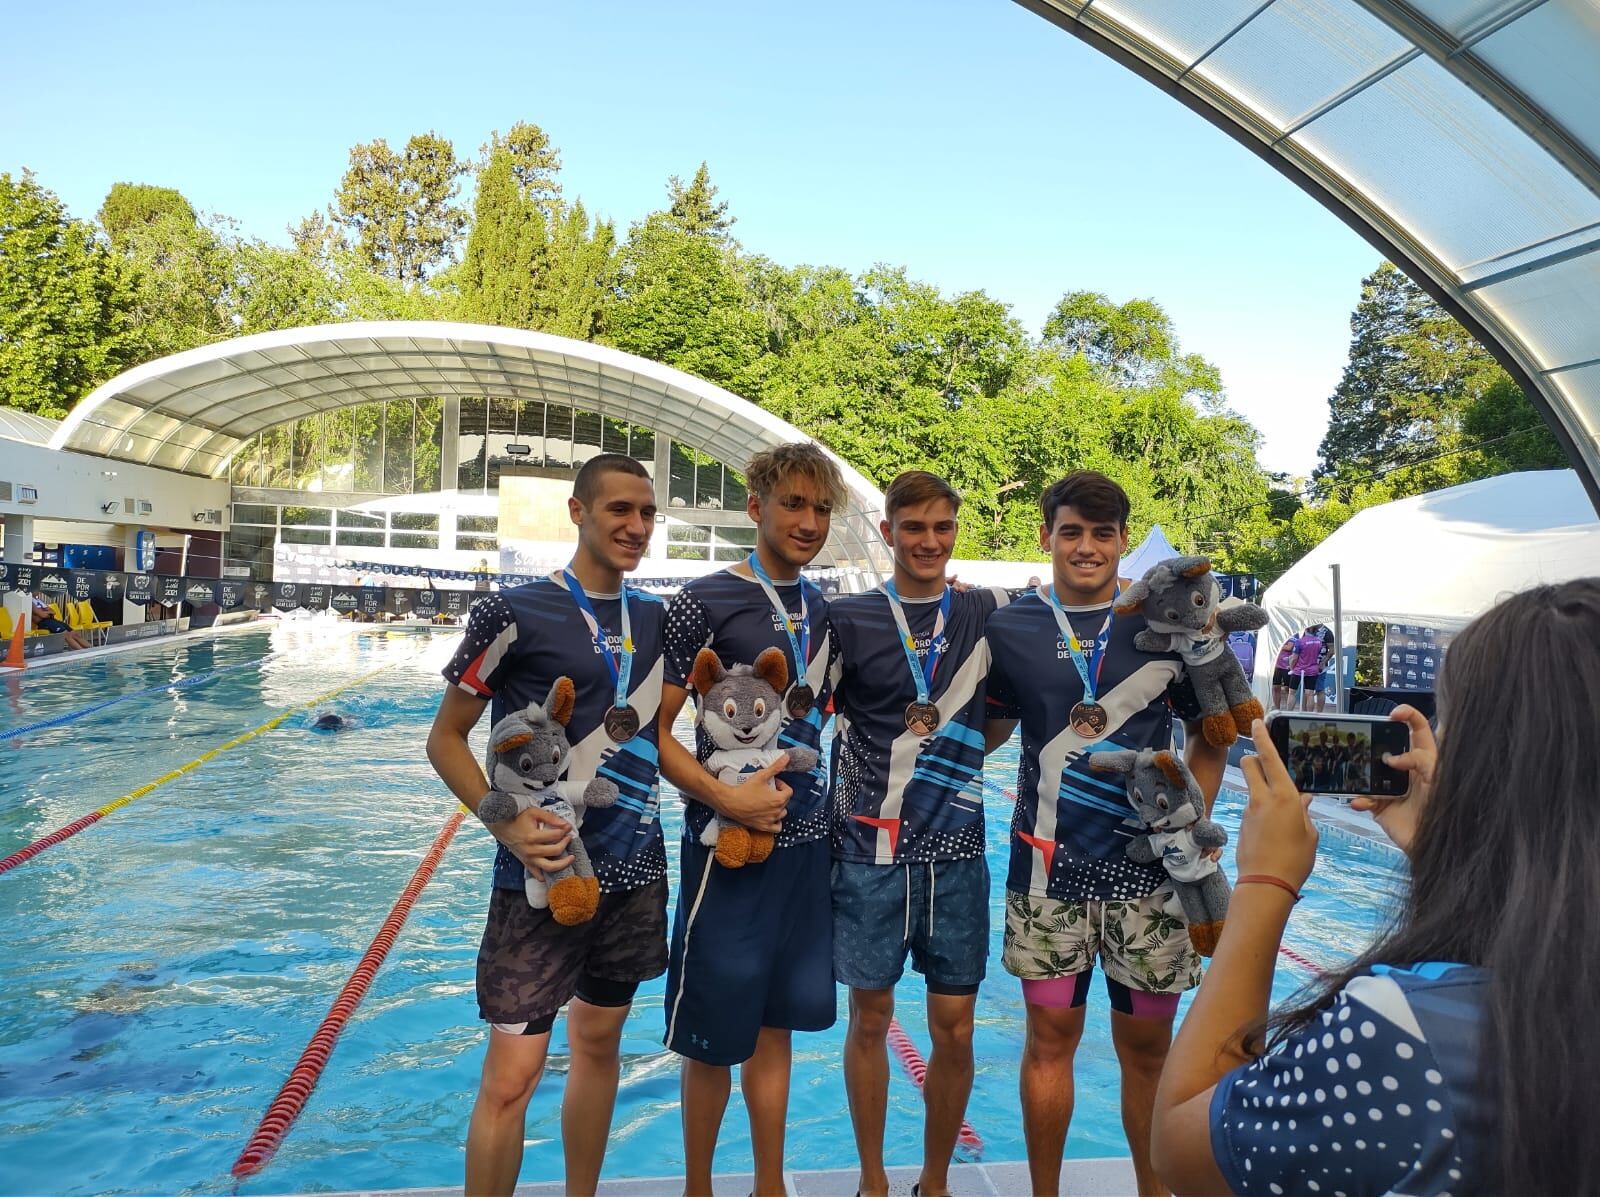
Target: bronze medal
x,y
799,701
1088,719
922,718
621,724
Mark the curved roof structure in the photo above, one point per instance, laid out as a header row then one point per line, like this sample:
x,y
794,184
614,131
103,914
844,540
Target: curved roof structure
x,y
1461,137
17,425
190,411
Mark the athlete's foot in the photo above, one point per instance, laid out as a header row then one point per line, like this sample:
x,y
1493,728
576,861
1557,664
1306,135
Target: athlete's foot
x,y
931,1188
873,1186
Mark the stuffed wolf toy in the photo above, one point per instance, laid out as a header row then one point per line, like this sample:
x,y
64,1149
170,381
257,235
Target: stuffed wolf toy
x,y
527,753
1180,601
741,710
1166,799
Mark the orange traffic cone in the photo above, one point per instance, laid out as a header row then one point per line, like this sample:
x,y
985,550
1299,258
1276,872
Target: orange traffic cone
x,y
14,655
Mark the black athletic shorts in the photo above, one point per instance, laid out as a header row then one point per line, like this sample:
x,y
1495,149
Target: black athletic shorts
x,y
1280,677
529,965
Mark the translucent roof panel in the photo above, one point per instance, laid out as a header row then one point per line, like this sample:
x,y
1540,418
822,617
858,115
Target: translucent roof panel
x,y
1460,137
190,411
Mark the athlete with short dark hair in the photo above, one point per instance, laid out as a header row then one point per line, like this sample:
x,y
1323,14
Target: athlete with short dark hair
x,y
1066,666
584,624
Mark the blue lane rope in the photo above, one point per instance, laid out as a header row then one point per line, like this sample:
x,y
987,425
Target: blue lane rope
x,y
57,721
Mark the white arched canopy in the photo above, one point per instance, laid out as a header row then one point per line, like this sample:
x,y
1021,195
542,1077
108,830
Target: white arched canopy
x,y
1461,137
191,411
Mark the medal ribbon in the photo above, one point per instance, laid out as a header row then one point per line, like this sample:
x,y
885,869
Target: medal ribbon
x,y
1089,671
921,671
622,669
801,647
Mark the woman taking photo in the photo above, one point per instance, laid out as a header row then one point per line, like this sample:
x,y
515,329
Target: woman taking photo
x,y
1461,1053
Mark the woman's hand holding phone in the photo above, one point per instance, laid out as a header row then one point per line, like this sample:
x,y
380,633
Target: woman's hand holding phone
x,y
1398,817
1276,835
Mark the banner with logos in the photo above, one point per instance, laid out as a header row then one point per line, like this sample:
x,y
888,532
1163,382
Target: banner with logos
x,y
1412,655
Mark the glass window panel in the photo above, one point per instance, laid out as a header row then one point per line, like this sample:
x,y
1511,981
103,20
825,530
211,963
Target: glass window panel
x,y
688,534
477,523
642,444
254,513
430,438
708,485
398,449
355,519
478,544
372,540
680,487
275,447
245,468
745,537
614,435
251,548
338,428
530,430
586,436
307,517
414,521
688,552
413,540
304,536
503,415
557,435
469,446
306,445
728,552
734,492
367,426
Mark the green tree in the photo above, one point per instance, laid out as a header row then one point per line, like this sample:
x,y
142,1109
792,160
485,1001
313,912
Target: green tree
x,y
399,209
130,207
182,267
694,206
67,306
1129,342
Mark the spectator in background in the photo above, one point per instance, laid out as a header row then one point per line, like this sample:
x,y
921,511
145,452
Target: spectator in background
x,y
1327,695
1307,667
45,618
1282,683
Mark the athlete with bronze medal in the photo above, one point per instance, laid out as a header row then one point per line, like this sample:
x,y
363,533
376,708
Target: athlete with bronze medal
x,y
922,716
800,697
621,722
1087,718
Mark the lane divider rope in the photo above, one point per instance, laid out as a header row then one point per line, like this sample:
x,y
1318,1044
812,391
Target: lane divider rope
x,y
291,1099
182,684
23,855
917,1069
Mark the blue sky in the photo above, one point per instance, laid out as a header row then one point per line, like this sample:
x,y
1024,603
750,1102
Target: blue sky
x,y
967,140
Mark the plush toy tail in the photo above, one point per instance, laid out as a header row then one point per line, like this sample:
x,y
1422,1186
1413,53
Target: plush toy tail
x,y
1204,937
574,900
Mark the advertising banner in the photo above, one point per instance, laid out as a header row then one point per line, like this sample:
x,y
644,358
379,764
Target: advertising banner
x,y
1412,655
371,600
316,597
199,591
345,599
230,595
286,595
141,589
53,582
455,602
401,600
169,590
427,604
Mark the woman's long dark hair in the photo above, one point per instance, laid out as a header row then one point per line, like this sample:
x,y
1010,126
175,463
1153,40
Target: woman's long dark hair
x,y
1505,874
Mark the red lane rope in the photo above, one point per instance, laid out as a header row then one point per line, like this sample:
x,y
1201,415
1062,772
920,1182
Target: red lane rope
x,y
1294,957
917,1069
291,1099
49,841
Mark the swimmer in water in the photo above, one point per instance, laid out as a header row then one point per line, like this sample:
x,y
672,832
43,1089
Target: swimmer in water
x,y
331,721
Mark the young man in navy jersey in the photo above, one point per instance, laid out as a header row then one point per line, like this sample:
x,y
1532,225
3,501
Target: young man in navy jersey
x,y
752,947
908,663
582,624
1065,666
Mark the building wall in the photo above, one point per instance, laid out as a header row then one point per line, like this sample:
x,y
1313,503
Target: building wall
x,y
76,486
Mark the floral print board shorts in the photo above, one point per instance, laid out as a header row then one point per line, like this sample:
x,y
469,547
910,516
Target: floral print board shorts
x,y
1141,942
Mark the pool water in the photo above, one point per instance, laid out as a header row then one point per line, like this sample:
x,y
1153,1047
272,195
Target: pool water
x,y
165,968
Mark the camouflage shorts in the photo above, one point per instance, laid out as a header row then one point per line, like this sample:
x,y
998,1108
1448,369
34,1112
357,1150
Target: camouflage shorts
x,y
529,965
1142,943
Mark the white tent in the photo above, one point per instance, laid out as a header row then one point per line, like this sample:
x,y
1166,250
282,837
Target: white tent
x,y
1153,548
1438,559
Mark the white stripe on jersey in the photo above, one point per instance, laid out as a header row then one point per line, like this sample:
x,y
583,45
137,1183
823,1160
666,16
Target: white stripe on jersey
x,y
1125,700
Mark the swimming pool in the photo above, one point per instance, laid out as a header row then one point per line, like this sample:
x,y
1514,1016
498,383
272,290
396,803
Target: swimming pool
x,y
165,968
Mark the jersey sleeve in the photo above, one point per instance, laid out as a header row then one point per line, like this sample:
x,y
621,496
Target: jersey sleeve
x,y
688,631
1352,1102
1001,697
1182,699
485,651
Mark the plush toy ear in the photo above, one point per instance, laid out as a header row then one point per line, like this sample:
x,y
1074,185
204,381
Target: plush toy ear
x,y
707,671
1132,599
772,668
1195,566
563,697
1120,761
1168,764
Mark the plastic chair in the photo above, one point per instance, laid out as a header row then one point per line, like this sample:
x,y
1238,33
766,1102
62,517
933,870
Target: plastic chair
x,y
7,627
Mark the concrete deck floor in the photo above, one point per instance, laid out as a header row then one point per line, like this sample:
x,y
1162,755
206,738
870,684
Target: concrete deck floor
x,y
1080,1178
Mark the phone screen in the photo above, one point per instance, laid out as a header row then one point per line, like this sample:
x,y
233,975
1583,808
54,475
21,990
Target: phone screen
x,y
1333,754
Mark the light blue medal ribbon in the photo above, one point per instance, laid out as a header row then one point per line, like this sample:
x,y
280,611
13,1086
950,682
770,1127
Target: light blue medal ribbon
x,y
1088,670
802,696
619,665
922,671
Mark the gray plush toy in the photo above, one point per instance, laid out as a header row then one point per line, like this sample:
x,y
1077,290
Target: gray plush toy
x,y
741,709
1167,801
527,754
1181,602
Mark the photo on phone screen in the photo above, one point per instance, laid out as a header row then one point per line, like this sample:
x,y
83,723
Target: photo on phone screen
x,y
1333,754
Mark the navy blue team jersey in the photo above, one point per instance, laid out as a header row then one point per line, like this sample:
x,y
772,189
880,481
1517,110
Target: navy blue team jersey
x,y
896,797
1071,825
516,644
730,613
1378,1095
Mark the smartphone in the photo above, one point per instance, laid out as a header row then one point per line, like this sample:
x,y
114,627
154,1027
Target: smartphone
x,y
1341,754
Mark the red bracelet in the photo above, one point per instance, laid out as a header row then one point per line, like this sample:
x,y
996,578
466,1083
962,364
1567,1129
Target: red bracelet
x,y
1268,879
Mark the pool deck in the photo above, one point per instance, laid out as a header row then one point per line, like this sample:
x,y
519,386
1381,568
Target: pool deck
x,y
1082,1178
